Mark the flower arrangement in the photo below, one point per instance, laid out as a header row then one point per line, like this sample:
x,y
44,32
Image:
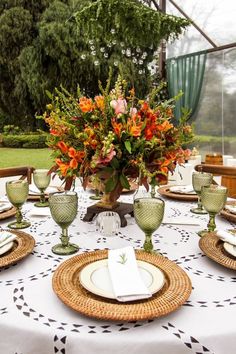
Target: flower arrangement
x,y
115,136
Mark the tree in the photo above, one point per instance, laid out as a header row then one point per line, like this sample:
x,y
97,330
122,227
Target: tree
x,y
46,44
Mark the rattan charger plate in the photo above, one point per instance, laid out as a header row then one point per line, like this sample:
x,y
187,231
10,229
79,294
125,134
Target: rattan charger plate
x,y
23,246
8,213
213,248
165,192
175,292
227,214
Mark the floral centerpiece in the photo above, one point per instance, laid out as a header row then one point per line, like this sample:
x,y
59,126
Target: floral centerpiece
x,y
115,136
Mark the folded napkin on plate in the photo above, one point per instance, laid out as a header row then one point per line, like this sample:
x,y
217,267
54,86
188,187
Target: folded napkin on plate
x,y
4,206
188,189
231,208
125,277
39,212
226,236
34,190
6,237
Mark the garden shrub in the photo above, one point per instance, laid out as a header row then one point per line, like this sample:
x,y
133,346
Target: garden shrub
x,y
25,141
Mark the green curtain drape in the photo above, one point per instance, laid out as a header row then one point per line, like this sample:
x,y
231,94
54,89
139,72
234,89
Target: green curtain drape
x,y
186,73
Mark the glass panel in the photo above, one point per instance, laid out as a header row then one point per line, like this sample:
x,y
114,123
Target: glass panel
x,y
215,17
215,119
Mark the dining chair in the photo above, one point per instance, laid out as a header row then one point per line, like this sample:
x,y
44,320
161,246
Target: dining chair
x,y
25,172
227,173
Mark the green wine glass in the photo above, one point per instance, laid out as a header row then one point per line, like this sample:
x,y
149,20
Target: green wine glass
x,y
213,199
17,193
200,179
148,213
63,207
41,179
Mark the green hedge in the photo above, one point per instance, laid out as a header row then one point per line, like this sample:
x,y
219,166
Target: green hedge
x,y
24,141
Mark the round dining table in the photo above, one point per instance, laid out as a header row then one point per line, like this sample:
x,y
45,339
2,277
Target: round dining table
x,y
34,320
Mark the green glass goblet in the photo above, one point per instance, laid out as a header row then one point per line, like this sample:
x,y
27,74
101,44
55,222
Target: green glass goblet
x,y
63,209
148,213
213,199
41,179
17,193
200,179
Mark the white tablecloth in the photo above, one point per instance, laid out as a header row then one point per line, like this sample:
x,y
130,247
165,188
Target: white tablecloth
x,y
33,320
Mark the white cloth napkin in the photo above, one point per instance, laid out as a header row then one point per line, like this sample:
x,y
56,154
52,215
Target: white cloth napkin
x,y
188,189
39,212
34,190
6,237
226,236
125,277
5,206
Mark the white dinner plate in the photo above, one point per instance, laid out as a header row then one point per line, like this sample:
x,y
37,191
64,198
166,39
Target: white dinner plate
x,y
231,249
6,247
95,278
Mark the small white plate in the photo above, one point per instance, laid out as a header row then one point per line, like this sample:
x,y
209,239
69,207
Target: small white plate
x,y
231,249
182,189
95,278
6,247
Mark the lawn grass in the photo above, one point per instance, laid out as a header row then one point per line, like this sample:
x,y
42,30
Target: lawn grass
x,y
38,158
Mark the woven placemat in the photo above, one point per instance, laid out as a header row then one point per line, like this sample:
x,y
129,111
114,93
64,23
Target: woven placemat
x,y
23,246
213,248
67,286
165,192
227,214
8,213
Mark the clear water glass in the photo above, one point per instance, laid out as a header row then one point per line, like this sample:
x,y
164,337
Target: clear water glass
x,y
108,223
42,180
17,193
63,207
213,199
148,213
200,179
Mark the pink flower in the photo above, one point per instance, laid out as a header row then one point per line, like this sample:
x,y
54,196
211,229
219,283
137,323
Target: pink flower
x,y
120,106
133,111
104,160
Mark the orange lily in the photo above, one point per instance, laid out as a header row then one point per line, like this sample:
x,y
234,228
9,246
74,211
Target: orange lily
x,y
100,103
63,147
86,104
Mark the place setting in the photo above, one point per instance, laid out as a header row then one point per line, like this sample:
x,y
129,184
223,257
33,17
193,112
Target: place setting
x,y
7,210
93,283
178,192
40,190
218,245
14,246
229,211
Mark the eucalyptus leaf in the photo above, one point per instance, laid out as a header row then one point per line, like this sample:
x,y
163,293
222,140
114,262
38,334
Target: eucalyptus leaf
x,y
111,184
128,146
124,182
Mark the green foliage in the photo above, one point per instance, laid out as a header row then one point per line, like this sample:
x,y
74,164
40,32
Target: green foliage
x,y
25,141
45,44
11,129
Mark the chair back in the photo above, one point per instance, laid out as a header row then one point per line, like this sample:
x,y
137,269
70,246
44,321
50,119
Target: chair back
x,y
227,173
24,172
